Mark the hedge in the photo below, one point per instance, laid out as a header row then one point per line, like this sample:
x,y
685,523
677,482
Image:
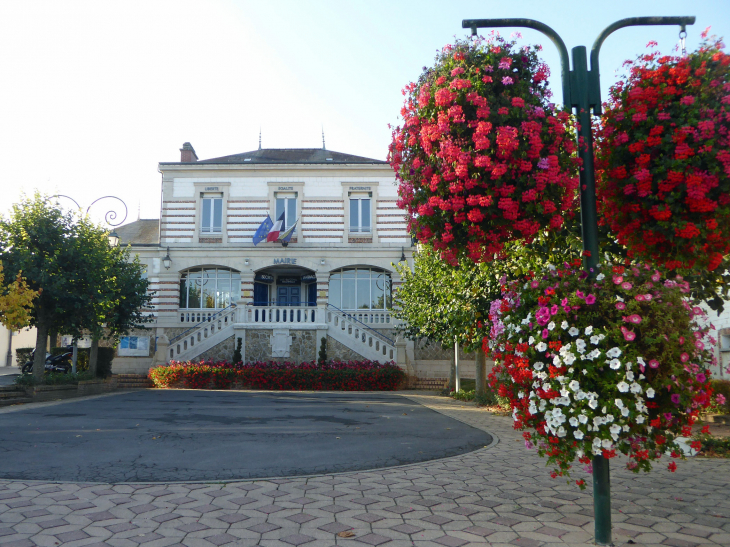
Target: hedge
x,y
310,376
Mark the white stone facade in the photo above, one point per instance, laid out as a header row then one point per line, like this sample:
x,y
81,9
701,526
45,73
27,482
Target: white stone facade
x,y
320,185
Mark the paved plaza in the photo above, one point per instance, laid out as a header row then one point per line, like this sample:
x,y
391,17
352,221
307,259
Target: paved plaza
x,y
499,495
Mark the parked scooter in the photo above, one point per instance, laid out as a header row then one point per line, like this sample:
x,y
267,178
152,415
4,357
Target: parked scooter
x,y
54,363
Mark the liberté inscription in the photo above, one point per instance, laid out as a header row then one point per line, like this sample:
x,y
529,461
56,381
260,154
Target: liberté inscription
x,y
285,261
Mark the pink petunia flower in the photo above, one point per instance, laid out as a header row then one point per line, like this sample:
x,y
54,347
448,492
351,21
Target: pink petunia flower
x,y
636,319
534,284
639,297
545,333
647,297
507,80
701,378
684,357
620,306
580,294
675,398
629,336
626,285
617,279
654,363
590,299
681,340
699,345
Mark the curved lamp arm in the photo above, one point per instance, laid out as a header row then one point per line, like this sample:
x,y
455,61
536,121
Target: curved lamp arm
x,y
111,215
473,24
629,22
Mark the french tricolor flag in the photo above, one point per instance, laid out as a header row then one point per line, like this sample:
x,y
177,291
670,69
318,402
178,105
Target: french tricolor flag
x,y
276,229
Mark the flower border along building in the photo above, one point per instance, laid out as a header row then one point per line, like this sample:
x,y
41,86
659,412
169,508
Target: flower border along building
x,y
332,277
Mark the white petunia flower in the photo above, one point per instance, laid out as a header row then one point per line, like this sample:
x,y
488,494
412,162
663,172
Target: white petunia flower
x,y
573,331
624,412
583,418
551,325
641,361
650,393
564,325
619,403
623,387
635,388
585,371
578,434
639,419
613,352
593,404
595,340
589,330
615,364
574,385
542,346
569,359
600,277
607,444
573,421
531,340
538,366
619,298
630,376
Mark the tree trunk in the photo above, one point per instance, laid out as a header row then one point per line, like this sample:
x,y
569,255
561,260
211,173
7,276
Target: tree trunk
x,y
481,372
41,341
452,376
93,354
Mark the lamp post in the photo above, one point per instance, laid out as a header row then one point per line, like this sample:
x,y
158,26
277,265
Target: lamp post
x,y
582,91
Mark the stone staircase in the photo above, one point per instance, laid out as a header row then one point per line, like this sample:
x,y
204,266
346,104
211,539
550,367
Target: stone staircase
x,y
203,336
358,336
13,395
431,384
133,381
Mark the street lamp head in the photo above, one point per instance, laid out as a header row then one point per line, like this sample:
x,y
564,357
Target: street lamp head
x,y
113,238
167,261
402,255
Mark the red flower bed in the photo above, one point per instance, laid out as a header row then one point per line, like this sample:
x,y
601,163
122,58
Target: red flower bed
x,y
664,153
335,375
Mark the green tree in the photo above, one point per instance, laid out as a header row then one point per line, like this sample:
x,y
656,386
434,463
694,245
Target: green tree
x,y
84,284
115,288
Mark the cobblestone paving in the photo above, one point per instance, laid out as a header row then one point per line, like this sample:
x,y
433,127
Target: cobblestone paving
x,y
501,495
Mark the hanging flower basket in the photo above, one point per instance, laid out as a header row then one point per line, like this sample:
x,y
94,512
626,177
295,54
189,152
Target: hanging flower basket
x,y
601,366
664,152
482,157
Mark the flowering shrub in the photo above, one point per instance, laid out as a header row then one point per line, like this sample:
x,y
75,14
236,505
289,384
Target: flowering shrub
x,y
664,150
334,375
482,157
601,366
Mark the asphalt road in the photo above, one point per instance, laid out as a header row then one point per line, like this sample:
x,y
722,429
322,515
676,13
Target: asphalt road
x,y
158,436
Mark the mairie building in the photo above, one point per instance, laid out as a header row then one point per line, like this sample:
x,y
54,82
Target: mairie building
x,y
333,280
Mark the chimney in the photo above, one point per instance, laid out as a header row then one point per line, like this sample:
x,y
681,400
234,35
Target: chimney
x,y
187,154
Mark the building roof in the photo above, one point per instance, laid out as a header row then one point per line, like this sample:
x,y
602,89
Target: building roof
x,y
272,156
145,231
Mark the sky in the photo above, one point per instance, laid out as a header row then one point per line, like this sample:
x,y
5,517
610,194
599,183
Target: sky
x,y
95,94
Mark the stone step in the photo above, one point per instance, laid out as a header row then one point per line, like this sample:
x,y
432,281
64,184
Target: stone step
x,y
430,383
133,381
17,398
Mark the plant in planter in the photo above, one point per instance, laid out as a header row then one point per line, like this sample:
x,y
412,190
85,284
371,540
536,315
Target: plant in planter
x,y
482,157
598,366
664,151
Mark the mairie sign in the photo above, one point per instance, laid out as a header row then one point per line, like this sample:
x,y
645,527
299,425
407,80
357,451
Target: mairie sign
x,y
285,261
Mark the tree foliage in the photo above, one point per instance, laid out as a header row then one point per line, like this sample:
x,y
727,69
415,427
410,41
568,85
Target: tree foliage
x,y
83,284
16,301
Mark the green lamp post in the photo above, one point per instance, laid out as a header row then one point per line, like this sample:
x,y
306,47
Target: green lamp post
x,y
582,91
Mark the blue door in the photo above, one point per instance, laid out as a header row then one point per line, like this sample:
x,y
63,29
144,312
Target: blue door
x,y
288,296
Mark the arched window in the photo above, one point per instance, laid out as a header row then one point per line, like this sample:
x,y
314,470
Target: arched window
x,y
360,289
209,288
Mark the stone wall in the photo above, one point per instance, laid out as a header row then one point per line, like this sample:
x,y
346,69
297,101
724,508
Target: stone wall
x,y
258,345
303,346
223,351
336,350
